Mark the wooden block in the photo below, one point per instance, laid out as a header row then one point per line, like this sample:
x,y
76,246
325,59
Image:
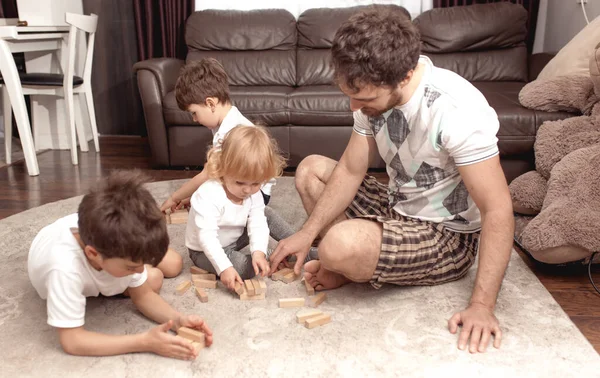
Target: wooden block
x,y
318,299
183,287
191,334
291,302
196,344
246,297
204,276
302,315
249,287
179,216
202,295
168,218
309,289
318,320
277,276
206,284
239,288
196,270
260,286
290,277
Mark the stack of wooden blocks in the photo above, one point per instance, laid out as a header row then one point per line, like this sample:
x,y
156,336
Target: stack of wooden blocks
x,y
201,280
177,217
251,290
286,275
193,336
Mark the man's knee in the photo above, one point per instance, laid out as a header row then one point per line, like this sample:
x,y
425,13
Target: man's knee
x,y
352,248
155,278
336,247
307,169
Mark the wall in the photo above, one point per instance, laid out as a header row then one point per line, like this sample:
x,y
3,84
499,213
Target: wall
x,y
296,7
116,97
560,21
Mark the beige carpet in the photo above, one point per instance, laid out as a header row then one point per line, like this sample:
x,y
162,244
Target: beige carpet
x,y
391,332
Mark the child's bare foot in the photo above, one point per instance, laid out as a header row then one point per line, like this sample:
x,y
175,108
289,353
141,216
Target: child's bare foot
x,y
321,278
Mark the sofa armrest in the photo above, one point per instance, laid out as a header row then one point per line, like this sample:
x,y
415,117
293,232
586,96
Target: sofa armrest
x,y
537,62
165,70
156,78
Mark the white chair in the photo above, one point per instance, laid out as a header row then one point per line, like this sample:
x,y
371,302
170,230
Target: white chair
x,y
64,85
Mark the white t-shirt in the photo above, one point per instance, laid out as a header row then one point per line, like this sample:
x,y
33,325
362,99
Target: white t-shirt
x,y
61,274
446,123
235,118
215,222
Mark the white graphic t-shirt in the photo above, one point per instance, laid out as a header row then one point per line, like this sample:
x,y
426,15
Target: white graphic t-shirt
x,y
446,123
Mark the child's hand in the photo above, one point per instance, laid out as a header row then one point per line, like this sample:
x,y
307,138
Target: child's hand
x,y
259,262
229,277
174,204
159,341
169,204
195,322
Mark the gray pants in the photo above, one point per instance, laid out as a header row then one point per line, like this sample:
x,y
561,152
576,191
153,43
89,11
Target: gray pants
x,y
242,261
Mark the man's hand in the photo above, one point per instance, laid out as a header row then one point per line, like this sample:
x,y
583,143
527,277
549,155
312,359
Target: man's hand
x,y
159,341
478,323
259,263
297,244
195,322
229,277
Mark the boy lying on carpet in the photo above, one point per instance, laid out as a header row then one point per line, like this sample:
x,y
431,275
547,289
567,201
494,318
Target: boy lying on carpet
x,y
103,249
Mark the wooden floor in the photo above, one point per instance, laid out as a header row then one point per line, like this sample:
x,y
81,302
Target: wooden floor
x,y
59,180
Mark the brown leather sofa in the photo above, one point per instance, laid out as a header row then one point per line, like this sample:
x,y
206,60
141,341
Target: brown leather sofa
x,y
280,76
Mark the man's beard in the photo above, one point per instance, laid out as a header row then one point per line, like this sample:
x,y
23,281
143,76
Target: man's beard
x,y
395,99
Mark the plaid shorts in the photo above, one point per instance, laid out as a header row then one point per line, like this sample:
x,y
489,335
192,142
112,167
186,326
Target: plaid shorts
x,y
413,252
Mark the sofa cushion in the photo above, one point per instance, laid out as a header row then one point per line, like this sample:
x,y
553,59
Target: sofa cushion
x,y
494,65
188,145
470,28
255,47
518,125
314,67
316,29
484,42
317,26
318,105
269,67
262,104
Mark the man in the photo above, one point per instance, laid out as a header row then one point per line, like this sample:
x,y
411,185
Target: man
x,y
447,196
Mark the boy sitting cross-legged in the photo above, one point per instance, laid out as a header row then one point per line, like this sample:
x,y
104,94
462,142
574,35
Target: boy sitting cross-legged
x,y
202,89
103,249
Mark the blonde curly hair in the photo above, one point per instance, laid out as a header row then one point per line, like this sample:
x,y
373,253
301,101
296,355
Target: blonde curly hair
x,y
247,153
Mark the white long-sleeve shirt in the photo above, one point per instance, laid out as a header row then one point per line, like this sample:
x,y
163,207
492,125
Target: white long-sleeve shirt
x,y
215,222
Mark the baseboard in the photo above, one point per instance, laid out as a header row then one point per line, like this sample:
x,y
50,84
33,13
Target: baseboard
x,y
124,145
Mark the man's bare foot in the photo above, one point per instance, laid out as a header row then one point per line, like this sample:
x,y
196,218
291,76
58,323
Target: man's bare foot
x,y
321,278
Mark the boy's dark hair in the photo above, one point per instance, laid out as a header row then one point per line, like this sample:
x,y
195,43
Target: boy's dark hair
x,y
199,80
120,218
377,46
